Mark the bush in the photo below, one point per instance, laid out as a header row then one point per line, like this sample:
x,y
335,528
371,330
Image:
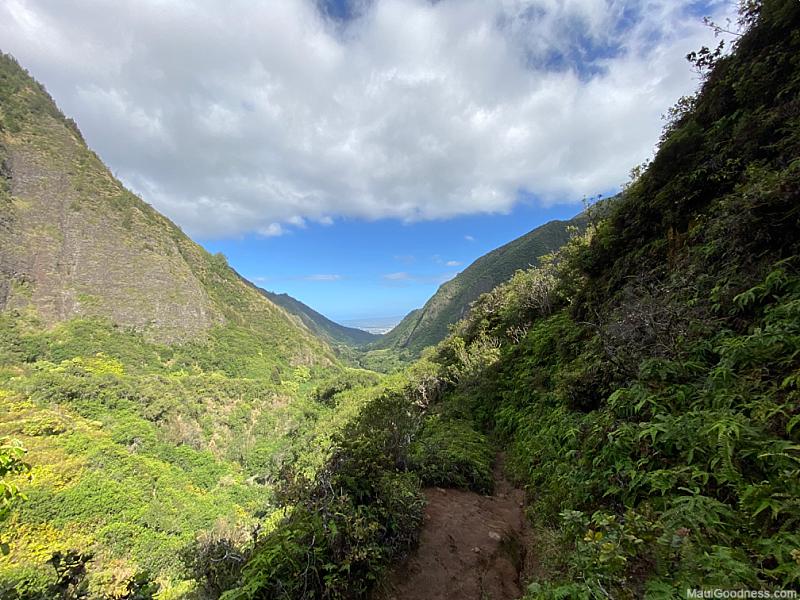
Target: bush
x,y
327,391
450,453
11,464
359,514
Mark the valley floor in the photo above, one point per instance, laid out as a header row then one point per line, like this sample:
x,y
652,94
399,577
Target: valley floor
x,y
472,547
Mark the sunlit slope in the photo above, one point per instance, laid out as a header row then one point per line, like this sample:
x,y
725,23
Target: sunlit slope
x,y
429,325
159,394
75,243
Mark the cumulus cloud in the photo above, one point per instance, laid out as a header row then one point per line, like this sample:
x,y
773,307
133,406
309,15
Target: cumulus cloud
x,y
242,117
271,230
448,263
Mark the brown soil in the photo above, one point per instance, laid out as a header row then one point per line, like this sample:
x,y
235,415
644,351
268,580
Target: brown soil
x,y
471,547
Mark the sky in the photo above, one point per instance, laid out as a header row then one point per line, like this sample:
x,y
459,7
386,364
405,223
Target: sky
x,y
357,153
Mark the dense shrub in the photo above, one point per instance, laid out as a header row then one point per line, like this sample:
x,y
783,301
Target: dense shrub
x,y
12,463
347,524
450,453
651,409
139,450
349,379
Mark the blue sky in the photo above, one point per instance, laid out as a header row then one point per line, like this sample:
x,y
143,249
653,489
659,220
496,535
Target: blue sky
x,y
354,269
341,150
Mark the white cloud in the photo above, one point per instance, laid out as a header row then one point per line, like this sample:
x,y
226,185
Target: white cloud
x,y
448,263
271,230
405,278
469,238
323,277
399,276
257,117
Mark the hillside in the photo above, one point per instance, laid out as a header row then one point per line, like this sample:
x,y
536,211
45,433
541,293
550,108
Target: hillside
x,y
429,325
320,325
149,396
74,243
642,385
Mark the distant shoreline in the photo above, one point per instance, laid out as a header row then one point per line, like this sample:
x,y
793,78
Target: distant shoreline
x,y
376,325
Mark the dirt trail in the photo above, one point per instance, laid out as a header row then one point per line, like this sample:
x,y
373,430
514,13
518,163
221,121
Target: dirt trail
x,y
471,547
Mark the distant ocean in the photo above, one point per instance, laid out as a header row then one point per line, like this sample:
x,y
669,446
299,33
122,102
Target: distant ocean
x,y
377,325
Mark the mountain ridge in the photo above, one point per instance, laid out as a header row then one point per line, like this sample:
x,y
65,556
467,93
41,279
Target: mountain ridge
x,y
429,324
322,326
75,243
156,394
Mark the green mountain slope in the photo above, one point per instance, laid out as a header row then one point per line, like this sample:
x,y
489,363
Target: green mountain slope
x,y
319,324
429,325
158,394
644,384
75,243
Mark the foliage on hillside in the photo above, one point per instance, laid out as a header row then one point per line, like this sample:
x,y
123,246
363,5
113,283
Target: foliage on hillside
x,y
358,512
429,325
645,378
12,463
143,455
159,395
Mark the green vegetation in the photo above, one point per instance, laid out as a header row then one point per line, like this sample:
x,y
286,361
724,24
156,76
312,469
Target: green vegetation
x,y
383,360
357,513
430,324
449,452
643,380
159,395
323,327
23,97
346,526
328,391
136,452
11,463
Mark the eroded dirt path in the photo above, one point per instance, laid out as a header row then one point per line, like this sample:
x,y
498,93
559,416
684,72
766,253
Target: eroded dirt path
x,y
471,547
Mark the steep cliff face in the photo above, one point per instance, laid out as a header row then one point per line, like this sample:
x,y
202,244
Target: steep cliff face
x,y
75,243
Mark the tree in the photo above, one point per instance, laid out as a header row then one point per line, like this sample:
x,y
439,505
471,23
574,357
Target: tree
x,y
11,463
